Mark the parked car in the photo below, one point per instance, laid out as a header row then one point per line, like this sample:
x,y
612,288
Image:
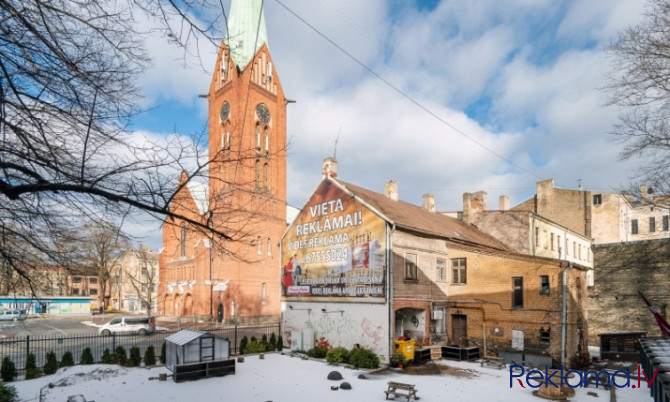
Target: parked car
x,y
143,325
13,315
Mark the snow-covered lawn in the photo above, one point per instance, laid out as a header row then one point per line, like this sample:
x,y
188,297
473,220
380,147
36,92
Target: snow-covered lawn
x,y
284,378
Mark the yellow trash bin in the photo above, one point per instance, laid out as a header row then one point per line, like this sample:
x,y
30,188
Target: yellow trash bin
x,y
406,348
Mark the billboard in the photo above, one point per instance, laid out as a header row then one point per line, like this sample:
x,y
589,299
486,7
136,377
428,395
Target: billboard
x,y
335,250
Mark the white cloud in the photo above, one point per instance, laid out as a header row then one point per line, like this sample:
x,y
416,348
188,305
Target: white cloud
x,y
522,78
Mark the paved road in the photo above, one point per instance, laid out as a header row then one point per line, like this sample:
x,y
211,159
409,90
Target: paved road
x,y
54,325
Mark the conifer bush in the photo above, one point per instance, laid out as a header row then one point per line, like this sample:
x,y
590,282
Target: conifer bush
x,y
8,370
51,363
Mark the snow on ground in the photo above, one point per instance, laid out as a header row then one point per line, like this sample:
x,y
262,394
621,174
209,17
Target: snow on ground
x,y
284,378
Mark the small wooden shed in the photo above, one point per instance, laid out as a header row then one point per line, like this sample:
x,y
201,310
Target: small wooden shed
x,y
193,354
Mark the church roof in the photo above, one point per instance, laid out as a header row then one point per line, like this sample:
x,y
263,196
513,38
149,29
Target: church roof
x,y
246,31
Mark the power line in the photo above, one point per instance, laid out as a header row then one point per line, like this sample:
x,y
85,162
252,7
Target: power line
x,y
405,95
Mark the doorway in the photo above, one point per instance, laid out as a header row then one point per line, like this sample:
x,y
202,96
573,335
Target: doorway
x,y
219,313
459,329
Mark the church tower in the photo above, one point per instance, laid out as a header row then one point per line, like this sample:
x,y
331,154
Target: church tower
x,y
236,279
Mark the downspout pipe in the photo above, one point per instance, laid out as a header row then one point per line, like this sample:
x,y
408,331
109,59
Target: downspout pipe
x,y
390,229
564,312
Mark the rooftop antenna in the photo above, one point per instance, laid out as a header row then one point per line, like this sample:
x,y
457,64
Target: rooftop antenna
x,y
336,139
579,183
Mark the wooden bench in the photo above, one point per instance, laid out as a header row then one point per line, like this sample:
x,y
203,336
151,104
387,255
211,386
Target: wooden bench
x,y
493,361
401,389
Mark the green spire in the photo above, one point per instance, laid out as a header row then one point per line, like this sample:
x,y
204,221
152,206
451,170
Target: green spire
x,y
246,31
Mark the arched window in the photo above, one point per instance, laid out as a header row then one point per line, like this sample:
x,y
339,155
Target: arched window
x,y
267,141
264,294
182,241
258,174
266,176
258,138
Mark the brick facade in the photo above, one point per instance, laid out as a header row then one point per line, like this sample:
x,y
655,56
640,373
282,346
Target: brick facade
x,y
622,271
235,279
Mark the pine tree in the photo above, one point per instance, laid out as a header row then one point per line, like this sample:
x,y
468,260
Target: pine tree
x,y
8,370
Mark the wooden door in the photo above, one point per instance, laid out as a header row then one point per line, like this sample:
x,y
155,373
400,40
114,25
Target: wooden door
x,y
459,329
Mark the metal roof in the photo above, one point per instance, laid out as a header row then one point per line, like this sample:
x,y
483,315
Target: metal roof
x,y
185,336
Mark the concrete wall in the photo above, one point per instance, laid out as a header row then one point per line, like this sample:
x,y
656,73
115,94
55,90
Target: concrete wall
x,y
342,324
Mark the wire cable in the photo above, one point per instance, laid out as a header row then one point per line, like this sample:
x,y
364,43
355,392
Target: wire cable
x,y
405,95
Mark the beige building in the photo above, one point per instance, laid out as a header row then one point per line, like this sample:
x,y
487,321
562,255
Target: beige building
x,y
527,232
630,236
364,267
603,217
135,284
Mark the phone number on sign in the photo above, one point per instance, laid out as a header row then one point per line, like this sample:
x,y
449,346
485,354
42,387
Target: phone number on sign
x,y
331,255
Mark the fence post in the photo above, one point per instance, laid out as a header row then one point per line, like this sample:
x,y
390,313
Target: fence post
x,y
113,343
27,347
236,352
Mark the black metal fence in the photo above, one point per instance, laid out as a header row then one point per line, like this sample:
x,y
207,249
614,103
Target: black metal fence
x,y
18,348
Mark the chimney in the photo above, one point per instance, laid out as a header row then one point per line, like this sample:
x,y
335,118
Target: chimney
x,y
643,192
467,213
503,203
473,203
429,203
479,200
391,190
329,168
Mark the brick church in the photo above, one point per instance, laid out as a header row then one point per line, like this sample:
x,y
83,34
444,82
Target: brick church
x,y
233,279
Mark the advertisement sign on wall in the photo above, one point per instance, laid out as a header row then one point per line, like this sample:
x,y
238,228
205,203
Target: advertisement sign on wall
x,y
336,248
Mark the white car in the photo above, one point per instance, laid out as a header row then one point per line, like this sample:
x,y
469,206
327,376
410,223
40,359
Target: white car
x,y
13,315
142,325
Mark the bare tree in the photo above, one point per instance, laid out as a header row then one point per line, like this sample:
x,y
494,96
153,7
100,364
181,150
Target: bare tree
x,y
141,271
101,250
68,90
640,86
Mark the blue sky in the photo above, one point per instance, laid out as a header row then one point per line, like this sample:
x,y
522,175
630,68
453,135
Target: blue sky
x,y
487,95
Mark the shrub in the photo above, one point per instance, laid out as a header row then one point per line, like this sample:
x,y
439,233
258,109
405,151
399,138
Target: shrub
x,y
280,343
86,356
337,355
7,393
8,370
51,364
120,355
265,344
163,355
273,342
254,347
107,357
318,352
67,360
150,356
135,358
396,359
32,371
363,358
243,344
